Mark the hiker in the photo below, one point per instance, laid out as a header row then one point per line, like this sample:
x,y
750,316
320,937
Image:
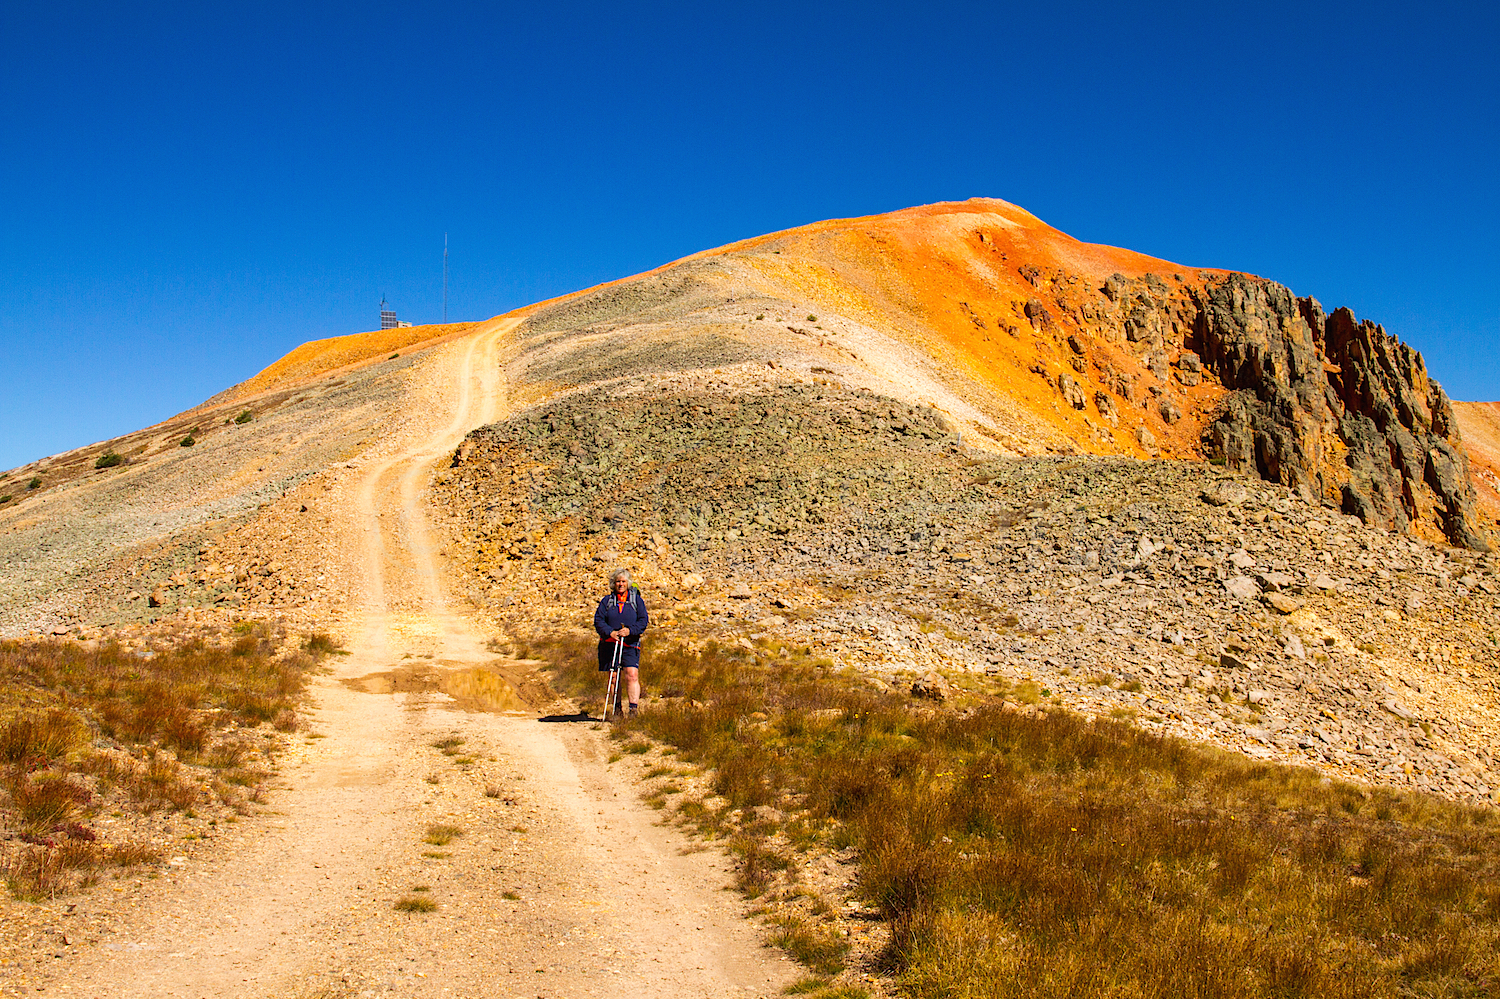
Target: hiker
x,y
621,620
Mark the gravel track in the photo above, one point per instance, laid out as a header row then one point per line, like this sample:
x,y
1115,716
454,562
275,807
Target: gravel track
x,y
306,905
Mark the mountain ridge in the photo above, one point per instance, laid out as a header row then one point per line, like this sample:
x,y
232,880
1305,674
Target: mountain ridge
x,y
1041,343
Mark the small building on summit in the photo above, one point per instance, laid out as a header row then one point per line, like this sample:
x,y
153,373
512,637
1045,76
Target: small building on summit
x,y
388,320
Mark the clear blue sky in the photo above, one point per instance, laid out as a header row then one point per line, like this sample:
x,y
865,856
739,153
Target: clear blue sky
x,y
187,191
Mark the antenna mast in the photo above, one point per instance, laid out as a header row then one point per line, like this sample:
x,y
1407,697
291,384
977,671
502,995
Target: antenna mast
x,y
445,277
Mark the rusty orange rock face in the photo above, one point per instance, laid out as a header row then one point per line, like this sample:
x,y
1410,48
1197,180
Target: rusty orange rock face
x,y
1013,304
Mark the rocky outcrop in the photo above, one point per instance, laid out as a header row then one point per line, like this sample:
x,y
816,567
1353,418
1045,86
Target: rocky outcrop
x,y
1333,407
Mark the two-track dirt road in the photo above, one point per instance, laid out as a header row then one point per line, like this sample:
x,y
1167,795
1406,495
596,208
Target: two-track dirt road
x,y
559,881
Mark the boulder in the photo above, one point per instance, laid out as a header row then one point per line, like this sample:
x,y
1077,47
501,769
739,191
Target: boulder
x,y
1072,392
1226,492
1281,603
1242,587
1276,580
1037,315
1396,708
933,686
1106,407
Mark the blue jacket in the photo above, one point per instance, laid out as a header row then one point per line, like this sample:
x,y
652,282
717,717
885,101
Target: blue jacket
x,y
610,617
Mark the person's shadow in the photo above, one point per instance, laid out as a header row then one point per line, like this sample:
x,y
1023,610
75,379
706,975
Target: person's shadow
x,y
579,716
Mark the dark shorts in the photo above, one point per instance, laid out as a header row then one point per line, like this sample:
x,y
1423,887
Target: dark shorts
x,y
631,656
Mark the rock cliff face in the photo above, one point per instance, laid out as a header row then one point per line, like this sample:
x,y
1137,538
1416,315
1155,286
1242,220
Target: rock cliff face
x,y
1335,408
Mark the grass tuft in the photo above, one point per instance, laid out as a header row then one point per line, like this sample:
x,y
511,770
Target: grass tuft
x,y
415,903
439,834
812,945
321,644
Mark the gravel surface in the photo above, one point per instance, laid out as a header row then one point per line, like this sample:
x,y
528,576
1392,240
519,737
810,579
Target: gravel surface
x,y
1190,599
72,554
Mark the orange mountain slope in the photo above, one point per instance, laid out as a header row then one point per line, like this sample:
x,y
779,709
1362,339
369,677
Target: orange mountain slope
x,y
1009,306
1018,309
318,357
1479,422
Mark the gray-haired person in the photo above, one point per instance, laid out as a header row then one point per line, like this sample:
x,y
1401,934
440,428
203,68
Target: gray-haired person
x,y
621,620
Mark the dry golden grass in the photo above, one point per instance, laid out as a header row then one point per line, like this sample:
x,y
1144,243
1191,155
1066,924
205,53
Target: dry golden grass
x,y
415,903
439,834
1020,855
80,726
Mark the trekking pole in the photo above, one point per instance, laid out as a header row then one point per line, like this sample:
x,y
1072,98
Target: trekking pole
x,y
612,687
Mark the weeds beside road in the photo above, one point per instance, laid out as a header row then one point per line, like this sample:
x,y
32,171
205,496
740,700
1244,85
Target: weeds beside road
x,y
85,731
1021,853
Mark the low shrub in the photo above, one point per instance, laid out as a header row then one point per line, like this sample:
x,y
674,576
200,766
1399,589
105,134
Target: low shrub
x,y
46,801
32,740
813,946
108,459
244,417
35,483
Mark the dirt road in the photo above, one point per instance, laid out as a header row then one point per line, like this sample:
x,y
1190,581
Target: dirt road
x,y
550,878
